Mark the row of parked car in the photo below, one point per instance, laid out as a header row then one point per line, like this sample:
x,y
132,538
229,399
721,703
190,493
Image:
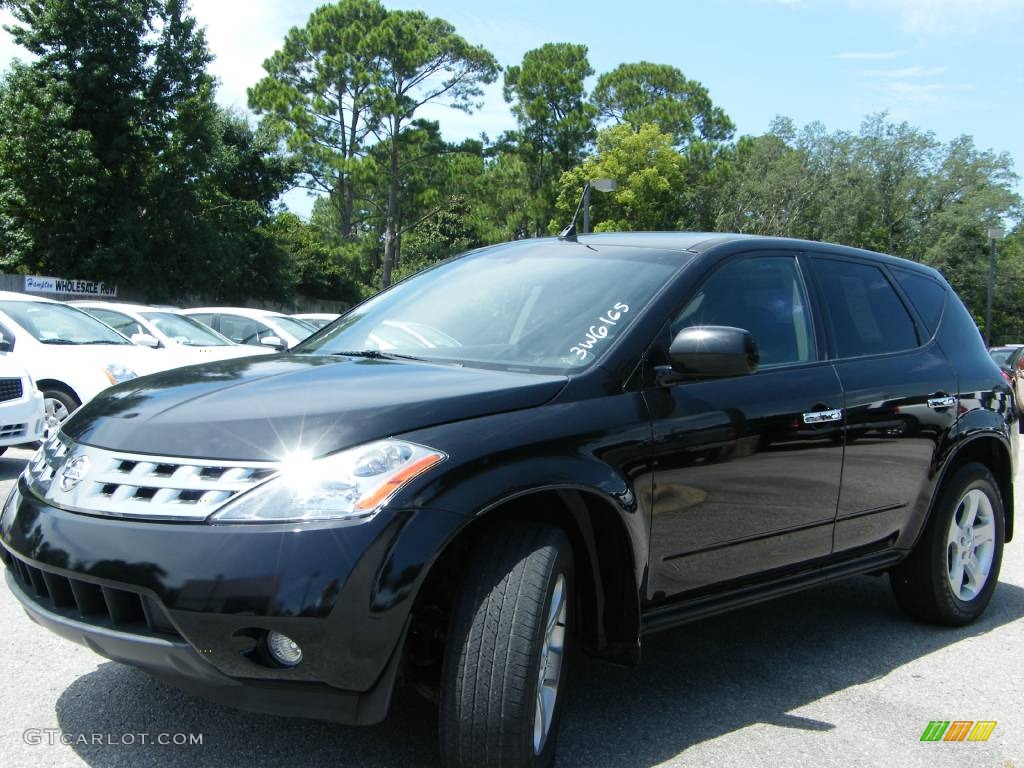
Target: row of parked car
x,y
56,356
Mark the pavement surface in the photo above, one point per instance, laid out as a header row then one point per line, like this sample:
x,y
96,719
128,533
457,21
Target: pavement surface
x,y
834,676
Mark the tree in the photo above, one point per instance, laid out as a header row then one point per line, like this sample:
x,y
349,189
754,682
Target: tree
x,y
556,123
421,61
114,158
660,94
651,176
316,97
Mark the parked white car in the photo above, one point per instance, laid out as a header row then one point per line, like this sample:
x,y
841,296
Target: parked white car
x,y
317,319
256,327
22,417
186,340
70,354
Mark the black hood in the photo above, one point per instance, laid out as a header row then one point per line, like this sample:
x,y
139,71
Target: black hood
x,y
258,408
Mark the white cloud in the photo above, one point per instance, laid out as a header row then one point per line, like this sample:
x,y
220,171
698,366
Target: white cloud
x,y
904,73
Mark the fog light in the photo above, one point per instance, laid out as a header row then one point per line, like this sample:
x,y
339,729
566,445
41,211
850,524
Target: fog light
x,y
283,649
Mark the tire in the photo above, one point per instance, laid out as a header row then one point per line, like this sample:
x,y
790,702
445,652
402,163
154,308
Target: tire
x,y
924,582
496,648
59,405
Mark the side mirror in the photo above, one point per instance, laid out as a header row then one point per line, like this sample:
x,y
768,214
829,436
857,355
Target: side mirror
x,y
275,342
6,344
713,351
145,340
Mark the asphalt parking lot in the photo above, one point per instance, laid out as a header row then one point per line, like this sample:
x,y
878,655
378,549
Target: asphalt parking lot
x,y
833,676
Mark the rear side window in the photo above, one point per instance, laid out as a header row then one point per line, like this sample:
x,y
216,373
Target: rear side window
x,y
927,296
868,317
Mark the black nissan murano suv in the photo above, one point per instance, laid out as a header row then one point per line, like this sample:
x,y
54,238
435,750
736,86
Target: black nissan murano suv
x,y
528,452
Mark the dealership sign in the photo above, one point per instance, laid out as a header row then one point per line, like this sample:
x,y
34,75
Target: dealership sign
x,y
35,284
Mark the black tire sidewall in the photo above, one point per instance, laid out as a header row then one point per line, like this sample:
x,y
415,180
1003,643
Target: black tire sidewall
x,y
970,477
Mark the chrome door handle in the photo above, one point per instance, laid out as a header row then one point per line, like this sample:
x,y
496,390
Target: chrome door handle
x,y
941,402
820,417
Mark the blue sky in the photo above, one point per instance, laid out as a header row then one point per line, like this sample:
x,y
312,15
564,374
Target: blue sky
x,y
949,66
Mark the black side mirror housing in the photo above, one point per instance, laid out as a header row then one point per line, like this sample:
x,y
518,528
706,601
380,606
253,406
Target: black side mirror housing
x,y
713,352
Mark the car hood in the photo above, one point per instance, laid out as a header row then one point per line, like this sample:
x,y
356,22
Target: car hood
x,y
141,360
263,408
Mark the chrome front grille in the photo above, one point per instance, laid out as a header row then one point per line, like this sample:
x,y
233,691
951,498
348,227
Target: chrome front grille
x,y
104,482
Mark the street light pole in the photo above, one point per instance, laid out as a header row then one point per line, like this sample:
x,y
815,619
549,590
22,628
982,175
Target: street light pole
x,y
995,233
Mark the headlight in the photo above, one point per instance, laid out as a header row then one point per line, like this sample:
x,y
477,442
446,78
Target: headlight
x,y
118,373
346,485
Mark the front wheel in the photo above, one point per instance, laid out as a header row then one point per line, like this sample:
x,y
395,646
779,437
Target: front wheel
x,y
58,405
951,574
505,660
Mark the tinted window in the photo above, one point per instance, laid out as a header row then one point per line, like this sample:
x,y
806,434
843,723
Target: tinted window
x,y
867,315
763,295
927,296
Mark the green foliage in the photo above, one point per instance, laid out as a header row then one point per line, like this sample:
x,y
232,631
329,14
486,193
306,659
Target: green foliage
x,y
317,269
116,164
651,179
661,95
556,122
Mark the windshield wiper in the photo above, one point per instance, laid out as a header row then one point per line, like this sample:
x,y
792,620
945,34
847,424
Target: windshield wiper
x,y
70,342
376,354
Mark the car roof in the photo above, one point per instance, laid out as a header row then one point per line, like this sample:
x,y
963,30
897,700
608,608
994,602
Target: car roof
x,y
696,243
15,296
116,306
236,311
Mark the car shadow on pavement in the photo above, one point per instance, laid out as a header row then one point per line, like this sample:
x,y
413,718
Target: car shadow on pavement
x,y
696,682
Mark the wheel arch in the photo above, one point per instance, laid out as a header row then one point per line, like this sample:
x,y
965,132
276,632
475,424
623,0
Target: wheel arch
x,y
604,553
43,384
991,450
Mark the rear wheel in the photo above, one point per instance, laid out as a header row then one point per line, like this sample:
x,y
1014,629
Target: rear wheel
x,y
953,571
505,661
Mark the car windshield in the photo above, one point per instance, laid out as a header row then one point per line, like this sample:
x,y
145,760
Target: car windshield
x,y
297,328
60,324
1001,356
542,307
186,331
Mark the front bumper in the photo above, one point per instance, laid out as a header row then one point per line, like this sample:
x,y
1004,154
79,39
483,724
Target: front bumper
x,y
184,601
22,420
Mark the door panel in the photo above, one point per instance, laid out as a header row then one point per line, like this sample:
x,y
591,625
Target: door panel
x,y
742,484
892,441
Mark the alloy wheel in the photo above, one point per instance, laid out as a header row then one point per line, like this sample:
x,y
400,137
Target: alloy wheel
x,y
552,653
970,545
